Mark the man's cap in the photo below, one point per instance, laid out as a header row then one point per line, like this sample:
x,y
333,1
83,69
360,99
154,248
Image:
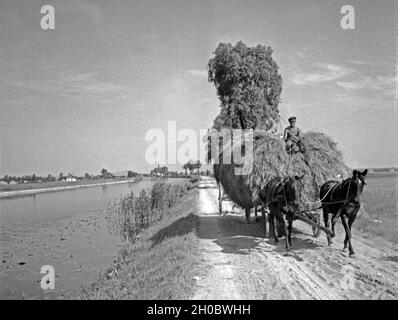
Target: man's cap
x,y
292,119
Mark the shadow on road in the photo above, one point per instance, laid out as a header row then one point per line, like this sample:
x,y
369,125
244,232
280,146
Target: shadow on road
x,y
391,258
178,228
234,235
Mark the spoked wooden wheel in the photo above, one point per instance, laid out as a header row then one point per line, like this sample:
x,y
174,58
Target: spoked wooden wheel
x,y
316,231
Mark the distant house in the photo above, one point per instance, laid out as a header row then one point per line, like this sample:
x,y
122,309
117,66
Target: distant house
x,y
120,174
12,182
70,179
173,174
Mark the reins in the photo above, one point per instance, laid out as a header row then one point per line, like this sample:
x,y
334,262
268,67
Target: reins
x,y
324,197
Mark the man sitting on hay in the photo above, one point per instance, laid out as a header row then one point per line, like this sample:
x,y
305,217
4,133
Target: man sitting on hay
x,y
292,137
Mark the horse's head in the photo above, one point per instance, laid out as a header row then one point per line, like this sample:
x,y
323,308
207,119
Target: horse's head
x,y
293,188
358,183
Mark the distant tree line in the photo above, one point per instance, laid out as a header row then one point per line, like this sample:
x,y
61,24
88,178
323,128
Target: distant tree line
x,y
33,178
160,171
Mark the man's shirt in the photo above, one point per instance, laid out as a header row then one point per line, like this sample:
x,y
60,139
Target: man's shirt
x,y
291,132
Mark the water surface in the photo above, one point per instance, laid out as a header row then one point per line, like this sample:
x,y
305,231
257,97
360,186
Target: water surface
x,y
65,229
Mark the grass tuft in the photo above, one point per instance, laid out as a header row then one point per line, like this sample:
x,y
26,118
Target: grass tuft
x,y
131,214
380,216
160,264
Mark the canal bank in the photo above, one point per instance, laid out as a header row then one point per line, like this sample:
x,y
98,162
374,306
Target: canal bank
x,y
17,193
67,230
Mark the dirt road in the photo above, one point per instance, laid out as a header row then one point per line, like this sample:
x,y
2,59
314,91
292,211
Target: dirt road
x,y
239,263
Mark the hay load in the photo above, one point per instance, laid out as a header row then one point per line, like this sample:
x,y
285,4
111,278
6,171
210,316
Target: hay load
x,y
321,162
249,86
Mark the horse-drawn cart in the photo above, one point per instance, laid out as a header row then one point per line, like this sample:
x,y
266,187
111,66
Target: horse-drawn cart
x,y
310,217
277,182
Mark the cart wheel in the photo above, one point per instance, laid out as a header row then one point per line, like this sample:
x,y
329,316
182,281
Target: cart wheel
x,y
316,232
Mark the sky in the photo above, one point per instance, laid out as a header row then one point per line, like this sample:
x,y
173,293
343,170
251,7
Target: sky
x,y
83,96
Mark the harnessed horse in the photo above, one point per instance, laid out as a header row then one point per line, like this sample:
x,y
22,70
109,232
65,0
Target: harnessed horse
x,y
281,197
341,199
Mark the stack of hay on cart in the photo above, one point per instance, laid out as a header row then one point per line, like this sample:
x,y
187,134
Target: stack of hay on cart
x,y
322,161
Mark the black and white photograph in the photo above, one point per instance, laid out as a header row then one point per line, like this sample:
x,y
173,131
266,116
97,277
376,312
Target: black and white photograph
x,y
221,151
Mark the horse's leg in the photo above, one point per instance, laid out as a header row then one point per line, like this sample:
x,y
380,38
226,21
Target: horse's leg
x,y
334,220
255,213
348,234
264,221
272,215
344,221
351,220
287,241
289,228
326,220
272,227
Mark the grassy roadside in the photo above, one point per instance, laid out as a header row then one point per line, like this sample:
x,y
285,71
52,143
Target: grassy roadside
x,y
161,262
381,217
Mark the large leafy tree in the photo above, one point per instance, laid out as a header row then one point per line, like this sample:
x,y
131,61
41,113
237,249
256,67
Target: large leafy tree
x,y
248,84
196,165
191,166
186,166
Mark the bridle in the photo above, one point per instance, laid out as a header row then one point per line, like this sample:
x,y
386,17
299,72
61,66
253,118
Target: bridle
x,y
284,197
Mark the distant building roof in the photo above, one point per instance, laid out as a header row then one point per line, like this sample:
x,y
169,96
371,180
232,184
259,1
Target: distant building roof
x,y
120,173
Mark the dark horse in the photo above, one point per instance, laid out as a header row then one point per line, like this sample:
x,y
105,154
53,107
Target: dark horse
x,y
341,199
282,197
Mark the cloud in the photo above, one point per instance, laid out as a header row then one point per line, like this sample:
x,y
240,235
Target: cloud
x,y
369,63
75,84
385,84
325,73
198,73
302,55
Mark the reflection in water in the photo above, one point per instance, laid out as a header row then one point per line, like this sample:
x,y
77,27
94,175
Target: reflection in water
x,y
104,188
34,204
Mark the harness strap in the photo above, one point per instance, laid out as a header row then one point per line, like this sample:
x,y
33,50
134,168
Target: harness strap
x,y
332,188
346,200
